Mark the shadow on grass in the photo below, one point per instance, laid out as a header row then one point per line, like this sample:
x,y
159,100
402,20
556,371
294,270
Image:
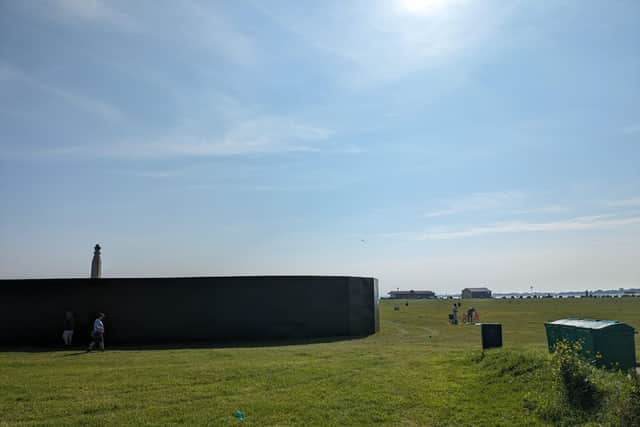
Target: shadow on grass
x,y
179,345
80,353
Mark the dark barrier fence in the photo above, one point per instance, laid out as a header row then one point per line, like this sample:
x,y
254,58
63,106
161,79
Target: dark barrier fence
x,y
189,309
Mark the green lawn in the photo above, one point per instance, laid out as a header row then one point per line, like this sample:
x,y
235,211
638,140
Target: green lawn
x,y
418,370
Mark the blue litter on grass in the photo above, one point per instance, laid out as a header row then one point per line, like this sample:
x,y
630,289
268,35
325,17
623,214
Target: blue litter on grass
x,y
239,415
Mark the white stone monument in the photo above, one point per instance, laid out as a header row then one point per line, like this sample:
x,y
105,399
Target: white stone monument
x,y
96,263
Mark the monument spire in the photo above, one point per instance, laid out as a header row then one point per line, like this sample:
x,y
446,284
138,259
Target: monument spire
x,y
96,263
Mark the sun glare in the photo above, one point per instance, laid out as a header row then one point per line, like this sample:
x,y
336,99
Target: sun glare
x,y
423,7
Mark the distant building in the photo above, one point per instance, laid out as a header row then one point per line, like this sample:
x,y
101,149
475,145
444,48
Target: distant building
x,y
476,293
411,294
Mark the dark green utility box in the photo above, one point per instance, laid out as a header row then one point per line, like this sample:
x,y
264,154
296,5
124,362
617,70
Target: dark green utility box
x,y
608,343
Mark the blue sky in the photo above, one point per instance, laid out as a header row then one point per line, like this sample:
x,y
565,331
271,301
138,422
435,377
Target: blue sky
x,y
432,144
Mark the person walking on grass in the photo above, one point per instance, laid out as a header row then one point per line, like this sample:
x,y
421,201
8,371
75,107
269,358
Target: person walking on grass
x,y
470,313
97,335
455,313
67,330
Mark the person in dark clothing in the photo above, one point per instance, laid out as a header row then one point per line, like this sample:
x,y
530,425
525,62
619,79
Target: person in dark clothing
x,y
67,330
470,314
97,335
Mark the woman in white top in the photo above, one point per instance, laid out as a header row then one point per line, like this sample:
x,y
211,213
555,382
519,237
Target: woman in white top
x,y
67,332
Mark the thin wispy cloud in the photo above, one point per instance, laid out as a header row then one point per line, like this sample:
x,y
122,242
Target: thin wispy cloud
x,y
264,188
195,25
153,174
205,25
88,11
632,129
10,75
85,103
539,210
258,135
478,202
631,202
596,222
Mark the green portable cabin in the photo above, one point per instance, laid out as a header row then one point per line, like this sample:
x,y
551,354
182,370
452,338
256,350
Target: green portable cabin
x,y
607,343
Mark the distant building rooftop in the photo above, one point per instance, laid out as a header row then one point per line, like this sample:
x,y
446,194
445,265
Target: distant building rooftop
x,y
411,294
477,289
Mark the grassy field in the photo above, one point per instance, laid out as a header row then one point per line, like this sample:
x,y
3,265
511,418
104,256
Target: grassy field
x,y
418,370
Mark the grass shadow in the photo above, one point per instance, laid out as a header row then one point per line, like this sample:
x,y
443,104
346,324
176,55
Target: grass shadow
x,y
80,353
183,345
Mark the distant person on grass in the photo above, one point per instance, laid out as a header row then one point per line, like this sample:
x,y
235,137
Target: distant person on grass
x,y
67,330
455,313
97,335
470,314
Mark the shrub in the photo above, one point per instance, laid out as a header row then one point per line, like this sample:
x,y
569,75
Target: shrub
x,y
510,363
630,404
566,389
572,377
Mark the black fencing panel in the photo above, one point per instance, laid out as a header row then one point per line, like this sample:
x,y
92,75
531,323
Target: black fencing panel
x,y
171,310
491,335
362,319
